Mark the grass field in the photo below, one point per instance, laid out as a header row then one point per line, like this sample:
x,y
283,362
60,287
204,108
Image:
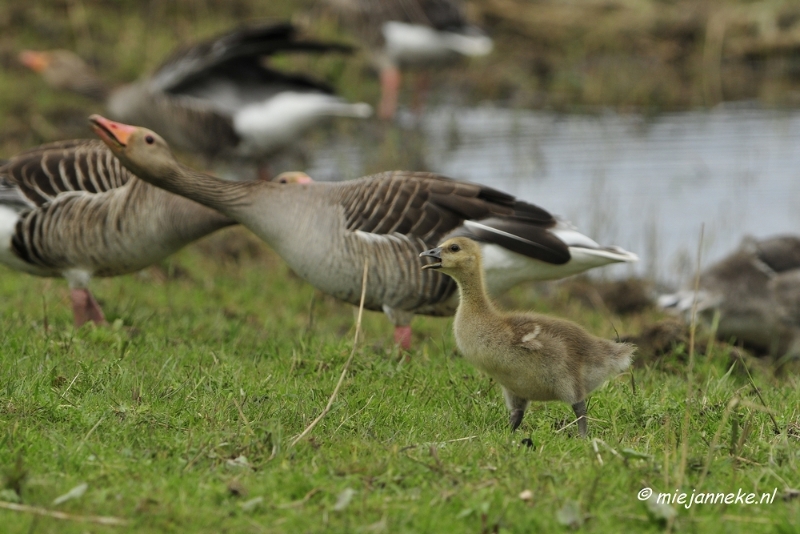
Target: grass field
x,y
180,418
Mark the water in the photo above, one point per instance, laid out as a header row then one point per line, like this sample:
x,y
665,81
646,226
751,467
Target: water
x,y
647,185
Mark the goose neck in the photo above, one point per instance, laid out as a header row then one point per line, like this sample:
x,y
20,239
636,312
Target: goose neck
x,y
221,195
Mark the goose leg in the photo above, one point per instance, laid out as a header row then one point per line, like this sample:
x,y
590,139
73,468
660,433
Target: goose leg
x,y
580,413
402,326
85,308
390,89
402,336
516,406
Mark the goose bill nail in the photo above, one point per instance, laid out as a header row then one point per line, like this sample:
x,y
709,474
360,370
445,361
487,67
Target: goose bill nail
x,y
435,253
115,131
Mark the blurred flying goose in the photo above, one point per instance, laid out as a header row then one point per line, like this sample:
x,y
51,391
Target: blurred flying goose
x,y
533,357
216,98
401,33
756,293
326,231
71,209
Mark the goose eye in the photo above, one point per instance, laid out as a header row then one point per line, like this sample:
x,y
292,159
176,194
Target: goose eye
x,y
454,248
149,139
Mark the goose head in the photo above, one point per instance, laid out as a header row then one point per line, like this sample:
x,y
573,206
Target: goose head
x,y
62,69
293,177
454,257
142,151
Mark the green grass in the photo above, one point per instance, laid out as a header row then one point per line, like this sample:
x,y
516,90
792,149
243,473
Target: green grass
x,y
179,418
221,354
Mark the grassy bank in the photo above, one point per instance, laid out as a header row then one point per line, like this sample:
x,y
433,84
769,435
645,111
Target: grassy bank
x,y
180,418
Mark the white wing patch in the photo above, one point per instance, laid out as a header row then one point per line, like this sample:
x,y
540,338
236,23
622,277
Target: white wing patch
x,y
529,339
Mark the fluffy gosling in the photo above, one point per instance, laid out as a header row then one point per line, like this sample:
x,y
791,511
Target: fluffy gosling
x,y
533,357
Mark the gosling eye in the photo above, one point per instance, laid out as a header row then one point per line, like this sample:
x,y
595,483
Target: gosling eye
x,y
283,181
149,139
454,248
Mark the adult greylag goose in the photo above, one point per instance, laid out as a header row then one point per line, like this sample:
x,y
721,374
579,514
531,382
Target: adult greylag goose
x,y
407,33
754,291
71,209
326,231
532,356
216,98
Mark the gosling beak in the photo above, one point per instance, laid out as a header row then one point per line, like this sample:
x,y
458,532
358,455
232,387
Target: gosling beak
x,y
113,133
36,61
436,254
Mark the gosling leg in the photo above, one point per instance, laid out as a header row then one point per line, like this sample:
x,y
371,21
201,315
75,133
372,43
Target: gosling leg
x,y
516,405
580,413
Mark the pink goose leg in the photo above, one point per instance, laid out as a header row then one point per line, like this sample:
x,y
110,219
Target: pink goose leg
x,y
390,88
85,308
402,337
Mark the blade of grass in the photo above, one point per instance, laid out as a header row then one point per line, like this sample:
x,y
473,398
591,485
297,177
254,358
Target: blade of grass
x,y
327,409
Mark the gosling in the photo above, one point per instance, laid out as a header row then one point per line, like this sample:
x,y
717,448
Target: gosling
x,y
533,357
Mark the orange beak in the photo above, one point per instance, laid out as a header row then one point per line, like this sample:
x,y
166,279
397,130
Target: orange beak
x,y
36,61
112,132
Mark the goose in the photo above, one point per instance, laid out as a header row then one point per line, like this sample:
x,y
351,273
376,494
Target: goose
x,y
402,33
70,209
326,231
532,356
215,98
754,291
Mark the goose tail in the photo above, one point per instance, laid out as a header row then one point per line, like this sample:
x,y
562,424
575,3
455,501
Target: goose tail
x,y
472,44
681,302
359,110
586,251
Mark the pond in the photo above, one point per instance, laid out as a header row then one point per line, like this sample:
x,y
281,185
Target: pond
x,y
646,184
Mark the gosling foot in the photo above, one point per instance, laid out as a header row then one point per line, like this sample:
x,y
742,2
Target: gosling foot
x,y
515,418
580,412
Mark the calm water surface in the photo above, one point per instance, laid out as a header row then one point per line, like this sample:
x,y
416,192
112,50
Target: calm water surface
x,y
647,185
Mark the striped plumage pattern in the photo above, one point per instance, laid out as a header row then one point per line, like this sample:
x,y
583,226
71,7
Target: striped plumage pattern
x,y
71,209
44,172
393,216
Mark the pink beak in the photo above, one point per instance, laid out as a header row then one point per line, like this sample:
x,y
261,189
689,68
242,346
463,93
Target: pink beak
x,y
109,130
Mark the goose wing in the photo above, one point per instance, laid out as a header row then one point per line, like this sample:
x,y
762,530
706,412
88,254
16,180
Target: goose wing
x,y
429,207
237,56
39,175
194,96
